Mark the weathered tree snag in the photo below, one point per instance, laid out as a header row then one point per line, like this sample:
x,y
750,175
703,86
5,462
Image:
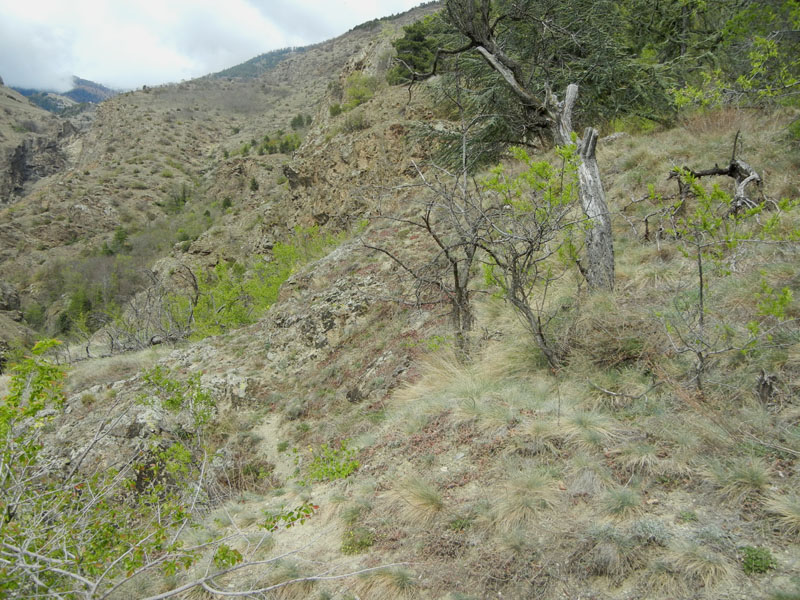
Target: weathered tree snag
x,y
599,271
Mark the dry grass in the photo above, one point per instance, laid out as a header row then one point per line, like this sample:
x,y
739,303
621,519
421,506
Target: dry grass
x,y
86,374
638,458
740,479
621,503
416,500
786,510
700,564
387,583
614,553
544,437
661,579
591,430
587,476
523,499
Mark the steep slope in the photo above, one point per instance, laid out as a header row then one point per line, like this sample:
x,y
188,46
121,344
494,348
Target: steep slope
x,y
30,144
156,160
611,477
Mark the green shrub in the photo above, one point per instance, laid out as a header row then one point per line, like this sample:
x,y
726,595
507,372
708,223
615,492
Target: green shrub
x,y
359,87
237,294
355,121
328,463
757,560
335,109
356,541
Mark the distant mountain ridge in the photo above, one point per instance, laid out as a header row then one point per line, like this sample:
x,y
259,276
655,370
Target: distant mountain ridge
x,y
83,91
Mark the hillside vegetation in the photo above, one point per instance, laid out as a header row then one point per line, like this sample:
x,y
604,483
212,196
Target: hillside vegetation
x,y
322,336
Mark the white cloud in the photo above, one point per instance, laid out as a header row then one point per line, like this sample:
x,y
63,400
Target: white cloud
x,y
126,44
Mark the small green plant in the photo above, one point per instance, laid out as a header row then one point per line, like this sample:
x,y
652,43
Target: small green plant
x,y
166,392
225,556
355,121
289,517
359,88
709,233
460,523
282,446
687,516
356,541
757,560
329,463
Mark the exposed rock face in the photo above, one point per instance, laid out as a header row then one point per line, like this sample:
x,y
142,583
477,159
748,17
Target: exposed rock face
x,y
35,158
9,297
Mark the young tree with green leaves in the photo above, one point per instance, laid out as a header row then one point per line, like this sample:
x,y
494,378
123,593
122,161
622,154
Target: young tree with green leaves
x,y
709,232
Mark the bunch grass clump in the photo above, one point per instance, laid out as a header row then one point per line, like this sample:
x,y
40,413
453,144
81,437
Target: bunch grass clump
x,y
418,501
701,564
622,502
741,479
786,510
396,582
591,430
525,497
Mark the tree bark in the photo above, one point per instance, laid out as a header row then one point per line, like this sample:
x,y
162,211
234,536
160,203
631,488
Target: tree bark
x,y
599,271
599,239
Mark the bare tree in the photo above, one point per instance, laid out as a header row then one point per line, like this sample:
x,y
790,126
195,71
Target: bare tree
x,y
162,312
451,212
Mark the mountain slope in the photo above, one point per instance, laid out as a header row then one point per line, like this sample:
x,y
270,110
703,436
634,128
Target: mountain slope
x,y
614,476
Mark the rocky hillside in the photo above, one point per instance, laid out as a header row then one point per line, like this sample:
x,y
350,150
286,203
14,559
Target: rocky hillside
x,y
346,433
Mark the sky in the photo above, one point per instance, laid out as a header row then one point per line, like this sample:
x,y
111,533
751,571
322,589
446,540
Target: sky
x,y
124,44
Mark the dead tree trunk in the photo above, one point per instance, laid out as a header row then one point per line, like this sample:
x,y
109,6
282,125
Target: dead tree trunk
x,y
599,270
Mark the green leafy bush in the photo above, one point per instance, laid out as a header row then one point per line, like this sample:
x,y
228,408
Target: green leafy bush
x,y
329,463
289,517
757,560
359,87
233,295
73,534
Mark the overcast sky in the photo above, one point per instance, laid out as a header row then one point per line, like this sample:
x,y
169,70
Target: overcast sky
x,y
125,44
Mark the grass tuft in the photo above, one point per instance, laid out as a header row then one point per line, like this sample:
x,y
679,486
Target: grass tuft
x,y
787,512
591,430
741,479
662,579
417,500
639,458
614,554
388,583
523,499
588,476
701,564
621,503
